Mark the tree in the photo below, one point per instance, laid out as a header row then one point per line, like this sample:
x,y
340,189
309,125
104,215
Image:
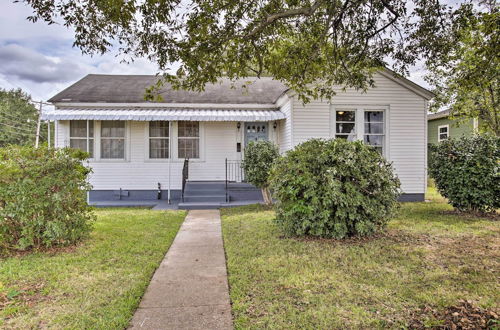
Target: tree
x,y
466,70
259,159
18,119
308,44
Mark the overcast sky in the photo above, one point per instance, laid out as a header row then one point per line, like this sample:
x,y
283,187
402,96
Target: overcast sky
x,y
40,58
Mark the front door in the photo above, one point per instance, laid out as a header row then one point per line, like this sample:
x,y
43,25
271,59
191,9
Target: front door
x,y
256,132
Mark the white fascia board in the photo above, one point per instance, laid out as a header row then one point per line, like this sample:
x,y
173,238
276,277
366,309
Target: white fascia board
x,y
167,105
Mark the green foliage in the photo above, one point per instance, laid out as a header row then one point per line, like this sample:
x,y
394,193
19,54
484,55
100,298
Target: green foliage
x,y
311,45
467,172
333,188
42,197
465,67
18,119
259,158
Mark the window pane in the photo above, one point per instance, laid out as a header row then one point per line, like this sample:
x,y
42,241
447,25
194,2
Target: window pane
x,y
78,128
82,145
112,128
348,137
189,148
374,128
113,148
443,136
78,144
158,148
443,129
158,129
345,128
374,140
189,129
374,116
345,115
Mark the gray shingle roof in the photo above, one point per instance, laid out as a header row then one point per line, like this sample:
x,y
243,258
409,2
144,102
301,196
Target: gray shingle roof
x,y
437,115
131,88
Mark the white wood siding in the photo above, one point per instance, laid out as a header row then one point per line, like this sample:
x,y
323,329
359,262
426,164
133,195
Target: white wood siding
x,y
285,126
218,141
406,130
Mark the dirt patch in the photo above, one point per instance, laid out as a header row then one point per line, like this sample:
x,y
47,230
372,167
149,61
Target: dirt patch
x,y
494,216
465,315
26,295
49,251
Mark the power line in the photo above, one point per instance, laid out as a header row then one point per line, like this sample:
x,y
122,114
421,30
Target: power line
x,y
16,120
21,128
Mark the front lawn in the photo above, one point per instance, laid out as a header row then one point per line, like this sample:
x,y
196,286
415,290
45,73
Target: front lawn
x,y
428,258
97,284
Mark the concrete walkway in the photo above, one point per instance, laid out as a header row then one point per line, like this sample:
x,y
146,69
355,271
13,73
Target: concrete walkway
x,y
189,290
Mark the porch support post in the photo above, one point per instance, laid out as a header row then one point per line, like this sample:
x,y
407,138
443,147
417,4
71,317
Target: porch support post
x,y
169,157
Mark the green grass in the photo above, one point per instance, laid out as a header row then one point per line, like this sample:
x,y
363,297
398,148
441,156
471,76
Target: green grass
x,y
96,285
427,257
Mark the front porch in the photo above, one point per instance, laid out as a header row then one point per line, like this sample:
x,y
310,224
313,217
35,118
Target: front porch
x,y
197,195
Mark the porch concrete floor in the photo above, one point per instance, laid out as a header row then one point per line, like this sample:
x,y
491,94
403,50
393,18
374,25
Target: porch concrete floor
x,y
174,205
189,290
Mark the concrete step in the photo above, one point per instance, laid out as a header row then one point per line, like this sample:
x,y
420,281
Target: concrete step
x,y
204,192
205,198
200,205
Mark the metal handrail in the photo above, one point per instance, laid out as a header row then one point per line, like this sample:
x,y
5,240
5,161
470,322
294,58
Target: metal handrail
x,y
185,177
234,173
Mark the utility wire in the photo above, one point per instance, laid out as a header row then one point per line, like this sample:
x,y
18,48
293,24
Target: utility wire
x,y
12,121
21,128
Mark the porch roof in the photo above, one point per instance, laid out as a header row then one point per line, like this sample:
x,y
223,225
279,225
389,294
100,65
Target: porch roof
x,y
153,114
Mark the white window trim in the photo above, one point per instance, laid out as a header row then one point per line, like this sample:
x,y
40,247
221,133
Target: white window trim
x,y
87,138
360,117
97,145
447,132
174,145
147,155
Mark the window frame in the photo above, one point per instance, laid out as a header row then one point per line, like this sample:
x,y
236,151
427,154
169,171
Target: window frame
x,y
125,142
179,138
359,127
447,126
168,138
87,138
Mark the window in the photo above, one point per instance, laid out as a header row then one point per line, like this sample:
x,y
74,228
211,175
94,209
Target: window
x,y
345,124
81,135
113,140
368,125
188,139
374,129
443,132
158,139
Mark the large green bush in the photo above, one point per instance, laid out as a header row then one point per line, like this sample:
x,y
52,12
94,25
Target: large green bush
x,y
259,159
333,188
467,172
42,197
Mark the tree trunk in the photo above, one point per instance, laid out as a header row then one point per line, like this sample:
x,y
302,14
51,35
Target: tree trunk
x,y
267,196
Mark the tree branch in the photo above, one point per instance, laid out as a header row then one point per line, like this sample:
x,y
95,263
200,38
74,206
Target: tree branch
x,y
392,21
305,11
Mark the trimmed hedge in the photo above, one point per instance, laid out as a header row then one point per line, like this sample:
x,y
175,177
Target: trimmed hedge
x,y
333,188
42,197
467,172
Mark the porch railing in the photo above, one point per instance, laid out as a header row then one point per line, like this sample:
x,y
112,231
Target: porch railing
x,y
234,173
185,177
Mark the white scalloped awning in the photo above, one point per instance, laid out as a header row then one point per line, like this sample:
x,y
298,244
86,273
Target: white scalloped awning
x,y
163,114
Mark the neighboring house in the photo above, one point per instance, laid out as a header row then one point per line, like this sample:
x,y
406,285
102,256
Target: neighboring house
x,y
138,146
441,127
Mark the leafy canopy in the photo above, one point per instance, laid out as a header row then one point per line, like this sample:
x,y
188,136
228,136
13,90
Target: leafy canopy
x,y
308,44
466,67
259,158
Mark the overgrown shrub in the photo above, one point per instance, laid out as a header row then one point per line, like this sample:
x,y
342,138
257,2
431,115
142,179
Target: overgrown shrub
x,y
333,188
467,172
42,197
259,158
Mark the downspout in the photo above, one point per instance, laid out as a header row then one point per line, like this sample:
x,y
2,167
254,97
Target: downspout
x,y
169,157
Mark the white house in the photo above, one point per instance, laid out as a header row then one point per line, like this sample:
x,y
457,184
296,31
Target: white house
x,y
139,148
